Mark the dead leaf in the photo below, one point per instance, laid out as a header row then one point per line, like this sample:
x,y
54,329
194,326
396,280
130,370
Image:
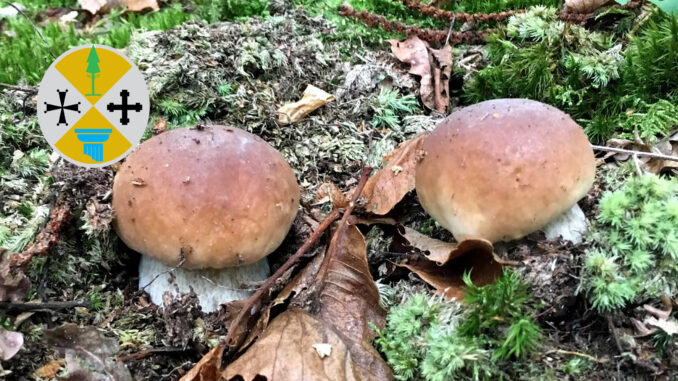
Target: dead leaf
x,y
10,343
160,126
329,192
49,370
439,251
434,66
667,146
89,354
447,279
208,368
388,186
312,99
104,6
584,6
344,301
14,283
670,326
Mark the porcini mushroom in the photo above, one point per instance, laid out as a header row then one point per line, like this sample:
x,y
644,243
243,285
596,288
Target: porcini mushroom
x,y
501,169
209,204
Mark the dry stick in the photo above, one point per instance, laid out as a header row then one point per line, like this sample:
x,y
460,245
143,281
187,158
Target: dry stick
x,y
148,352
249,304
573,353
32,89
632,152
41,306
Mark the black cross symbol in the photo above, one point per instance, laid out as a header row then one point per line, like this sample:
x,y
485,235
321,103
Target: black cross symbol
x,y
124,107
62,107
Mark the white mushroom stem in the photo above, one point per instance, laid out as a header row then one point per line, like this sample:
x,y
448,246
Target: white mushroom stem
x,y
570,226
213,287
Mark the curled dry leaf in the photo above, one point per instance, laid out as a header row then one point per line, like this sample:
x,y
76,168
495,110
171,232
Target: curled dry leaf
x,y
445,264
391,183
432,65
312,99
10,343
208,368
14,283
329,192
89,354
439,251
344,301
584,6
667,146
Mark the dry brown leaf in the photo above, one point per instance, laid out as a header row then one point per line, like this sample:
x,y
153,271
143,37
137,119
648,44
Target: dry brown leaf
x,y
391,183
10,343
104,6
584,6
447,279
49,370
89,354
208,368
434,66
312,99
14,283
344,301
160,126
329,192
439,251
668,146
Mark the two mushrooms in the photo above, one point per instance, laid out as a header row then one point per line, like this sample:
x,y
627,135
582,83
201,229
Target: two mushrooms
x,y
206,206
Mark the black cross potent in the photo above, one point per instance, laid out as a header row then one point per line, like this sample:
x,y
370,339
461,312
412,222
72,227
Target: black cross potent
x,y
62,107
124,107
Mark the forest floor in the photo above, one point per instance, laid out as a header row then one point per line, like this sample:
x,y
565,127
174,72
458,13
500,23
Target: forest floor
x,y
235,65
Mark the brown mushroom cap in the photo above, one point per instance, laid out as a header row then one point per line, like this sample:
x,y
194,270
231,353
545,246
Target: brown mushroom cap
x,y
218,196
504,168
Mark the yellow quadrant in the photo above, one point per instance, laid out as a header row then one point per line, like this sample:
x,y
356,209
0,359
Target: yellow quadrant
x,y
71,146
74,67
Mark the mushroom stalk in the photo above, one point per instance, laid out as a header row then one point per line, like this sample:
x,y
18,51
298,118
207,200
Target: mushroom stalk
x,y
213,286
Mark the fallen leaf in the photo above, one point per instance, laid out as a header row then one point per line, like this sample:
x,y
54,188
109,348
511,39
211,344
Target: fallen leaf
x,y
49,370
104,6
434,66
312,99
447,279
387,187
670,326
667,146
328,192
10,343
14,283
89,354
439,251
11,10
160,126
344,301
584,6
208,368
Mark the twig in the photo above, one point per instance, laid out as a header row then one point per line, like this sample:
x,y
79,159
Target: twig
x,y
250,305
48,237
143,354
38,306
35,28
182,260
632,152
31,89
432,11
584,355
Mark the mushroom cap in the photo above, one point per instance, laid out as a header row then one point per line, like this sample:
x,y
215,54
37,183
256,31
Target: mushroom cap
x,y
217,196
503,168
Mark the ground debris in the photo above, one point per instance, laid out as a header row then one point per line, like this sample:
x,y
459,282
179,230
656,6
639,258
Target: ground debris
x,y
312,99
180,313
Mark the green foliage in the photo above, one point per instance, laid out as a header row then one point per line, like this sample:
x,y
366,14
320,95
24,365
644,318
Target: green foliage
x,y
221,10
390,106
607,89
635,254
428,338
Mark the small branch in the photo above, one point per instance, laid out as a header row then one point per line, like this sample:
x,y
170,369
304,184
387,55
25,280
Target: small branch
x,y
584,355
31,89
43,306
250,307
143,354
429,10
35,28
638,153
47,238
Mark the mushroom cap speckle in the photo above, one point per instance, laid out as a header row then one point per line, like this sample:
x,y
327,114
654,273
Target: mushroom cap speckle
x,y
504,168
217,196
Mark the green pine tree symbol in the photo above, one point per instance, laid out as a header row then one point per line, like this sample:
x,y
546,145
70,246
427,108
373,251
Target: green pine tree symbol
x,y
93,68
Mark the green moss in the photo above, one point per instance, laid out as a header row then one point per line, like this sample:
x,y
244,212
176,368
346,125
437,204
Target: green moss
x,y
635,254
390,106
429,338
